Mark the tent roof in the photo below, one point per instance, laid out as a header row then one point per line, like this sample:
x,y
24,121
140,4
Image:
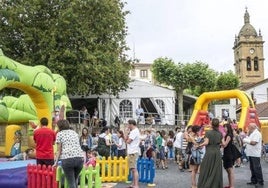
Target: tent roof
x,y
139,89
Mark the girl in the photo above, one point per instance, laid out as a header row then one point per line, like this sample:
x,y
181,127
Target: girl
x,y
85,141
91,158
121,146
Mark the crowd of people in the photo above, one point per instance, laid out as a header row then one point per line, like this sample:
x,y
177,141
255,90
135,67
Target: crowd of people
x,y
191,148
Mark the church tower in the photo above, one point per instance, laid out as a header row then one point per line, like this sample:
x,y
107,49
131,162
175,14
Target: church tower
x,y
248,54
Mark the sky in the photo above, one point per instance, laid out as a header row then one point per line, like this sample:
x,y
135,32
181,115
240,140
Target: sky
x,y
192,30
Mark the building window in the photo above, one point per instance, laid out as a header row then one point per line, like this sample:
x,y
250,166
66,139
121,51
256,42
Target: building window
x,y
161,104
143,74
248,64
125,109
256,64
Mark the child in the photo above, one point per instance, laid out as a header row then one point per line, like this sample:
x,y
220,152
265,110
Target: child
x,y
91,158
22,156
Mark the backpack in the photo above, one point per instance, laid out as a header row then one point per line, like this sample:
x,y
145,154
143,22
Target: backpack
x,y
102,148
197,152
170,143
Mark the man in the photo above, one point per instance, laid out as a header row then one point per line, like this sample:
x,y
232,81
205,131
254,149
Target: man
x,y
44,138
253,150
133,142
140,115
178,147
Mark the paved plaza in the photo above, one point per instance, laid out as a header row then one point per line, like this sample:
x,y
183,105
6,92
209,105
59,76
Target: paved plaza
x,y
173,178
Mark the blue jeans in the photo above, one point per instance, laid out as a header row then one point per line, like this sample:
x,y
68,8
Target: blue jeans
x,y
72,168
244,155
171,152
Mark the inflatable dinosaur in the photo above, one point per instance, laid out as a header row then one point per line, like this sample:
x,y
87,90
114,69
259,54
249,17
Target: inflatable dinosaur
x,y
43,90
44,93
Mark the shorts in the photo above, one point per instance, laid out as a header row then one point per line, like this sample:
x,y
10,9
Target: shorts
x,y
161,154
132,160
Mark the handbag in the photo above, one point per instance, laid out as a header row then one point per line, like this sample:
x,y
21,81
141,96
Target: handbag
x,y
236,153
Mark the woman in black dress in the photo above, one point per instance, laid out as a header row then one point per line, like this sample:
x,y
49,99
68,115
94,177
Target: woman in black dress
x,y
228,157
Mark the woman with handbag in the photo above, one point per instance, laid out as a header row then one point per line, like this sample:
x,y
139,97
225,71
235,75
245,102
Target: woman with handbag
x,y
230,154
195,157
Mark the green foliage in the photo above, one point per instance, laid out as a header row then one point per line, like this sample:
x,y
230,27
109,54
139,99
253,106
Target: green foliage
x,y
227,81
196,77
82,40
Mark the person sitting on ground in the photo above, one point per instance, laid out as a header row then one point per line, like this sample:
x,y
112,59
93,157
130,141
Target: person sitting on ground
x,y
23,155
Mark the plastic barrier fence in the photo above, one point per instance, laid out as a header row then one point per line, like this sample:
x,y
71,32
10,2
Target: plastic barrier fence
x,y
41,176
146,171
89,177
113,170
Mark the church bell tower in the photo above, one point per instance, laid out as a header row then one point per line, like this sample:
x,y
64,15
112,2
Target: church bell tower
x,y
248,54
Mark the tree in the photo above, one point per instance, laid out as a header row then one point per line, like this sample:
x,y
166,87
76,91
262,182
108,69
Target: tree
x,y
226,81
84,41
183,76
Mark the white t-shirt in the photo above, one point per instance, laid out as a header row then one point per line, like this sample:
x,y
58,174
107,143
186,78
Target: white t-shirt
x,y
121,143
134,146
178,141
254,151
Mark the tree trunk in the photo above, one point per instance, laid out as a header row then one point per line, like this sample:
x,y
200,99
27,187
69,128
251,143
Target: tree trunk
x,y
180,106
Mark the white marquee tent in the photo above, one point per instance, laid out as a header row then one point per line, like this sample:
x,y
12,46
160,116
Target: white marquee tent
x,y
125,105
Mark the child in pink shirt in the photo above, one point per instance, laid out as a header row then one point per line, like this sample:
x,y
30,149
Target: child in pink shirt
x,y
91,158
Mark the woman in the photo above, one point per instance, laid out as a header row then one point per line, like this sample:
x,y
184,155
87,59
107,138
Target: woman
x,y
160,144
188,147
170,144
211,166
228,161
121,146
195,160
69,152
85,140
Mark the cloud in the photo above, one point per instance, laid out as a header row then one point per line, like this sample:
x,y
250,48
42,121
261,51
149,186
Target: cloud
x,y
191,30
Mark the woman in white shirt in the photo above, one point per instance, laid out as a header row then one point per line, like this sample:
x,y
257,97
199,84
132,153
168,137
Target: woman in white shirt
x,y
121,146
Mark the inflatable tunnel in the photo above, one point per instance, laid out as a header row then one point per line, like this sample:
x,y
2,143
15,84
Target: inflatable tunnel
x,y
44,91
248,112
